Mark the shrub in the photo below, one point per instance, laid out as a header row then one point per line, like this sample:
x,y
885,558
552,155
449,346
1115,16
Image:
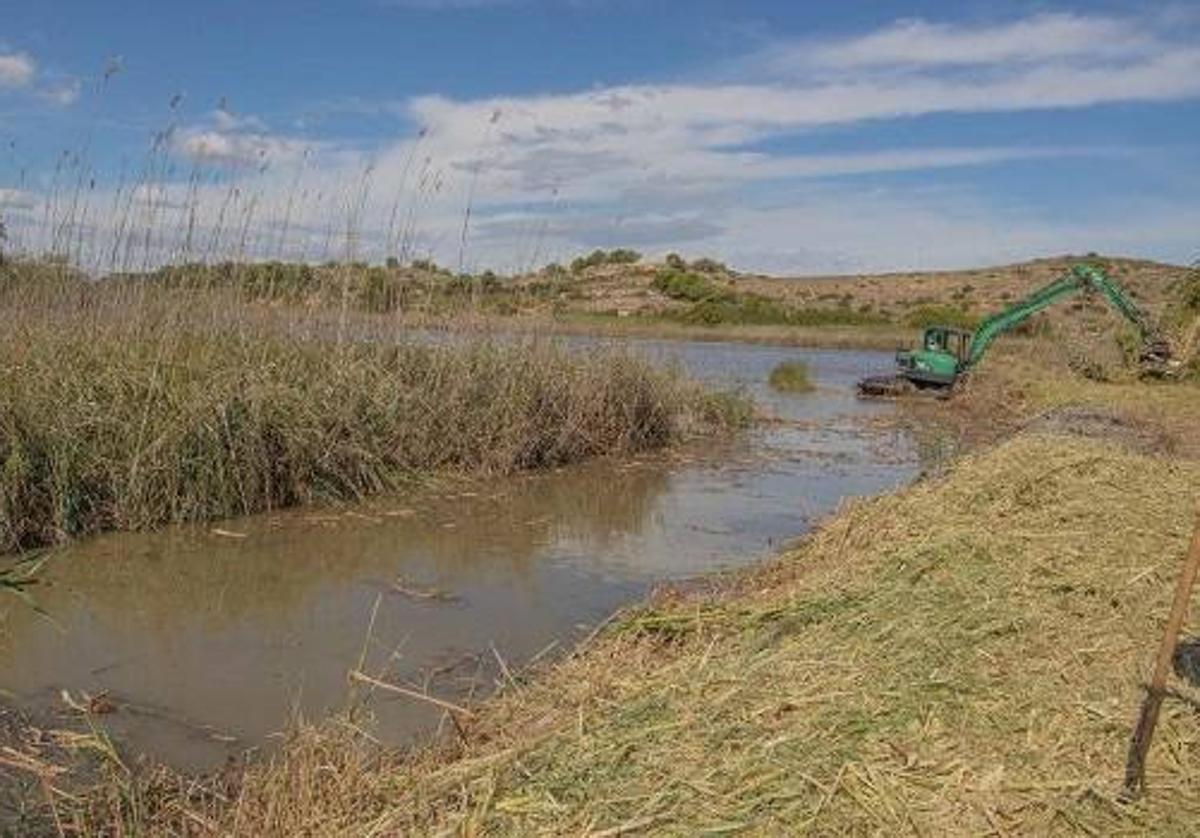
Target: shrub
x,y
688,286
620,256
754,310
709,266
623,256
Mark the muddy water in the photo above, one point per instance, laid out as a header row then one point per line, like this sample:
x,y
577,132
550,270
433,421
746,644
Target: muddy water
x,y
206,639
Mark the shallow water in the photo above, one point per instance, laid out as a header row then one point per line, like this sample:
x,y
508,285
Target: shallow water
x,y
205,639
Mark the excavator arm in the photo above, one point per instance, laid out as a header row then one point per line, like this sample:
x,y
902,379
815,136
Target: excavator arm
x,y
938,365
1080,278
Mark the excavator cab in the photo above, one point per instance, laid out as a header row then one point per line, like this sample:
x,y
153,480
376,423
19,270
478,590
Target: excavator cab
x,y
938,361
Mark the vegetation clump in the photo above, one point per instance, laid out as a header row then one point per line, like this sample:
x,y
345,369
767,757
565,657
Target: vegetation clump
x,y
716,305
934,314
130,408
791,377
689,287
598,257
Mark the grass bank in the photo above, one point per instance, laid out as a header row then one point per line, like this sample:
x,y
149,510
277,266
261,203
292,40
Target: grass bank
x,y
131,408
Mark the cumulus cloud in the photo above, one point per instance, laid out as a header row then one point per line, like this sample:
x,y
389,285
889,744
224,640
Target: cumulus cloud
x,y
63,93
16,69
238,141
610,147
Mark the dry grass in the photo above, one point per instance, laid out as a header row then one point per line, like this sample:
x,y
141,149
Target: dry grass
x,y
129,407
907,669
1021,380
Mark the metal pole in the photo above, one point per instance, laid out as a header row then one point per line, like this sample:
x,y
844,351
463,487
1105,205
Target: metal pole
x,y
1139,745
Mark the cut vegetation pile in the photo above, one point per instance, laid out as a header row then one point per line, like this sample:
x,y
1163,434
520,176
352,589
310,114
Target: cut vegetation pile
x,y
153,407
961,657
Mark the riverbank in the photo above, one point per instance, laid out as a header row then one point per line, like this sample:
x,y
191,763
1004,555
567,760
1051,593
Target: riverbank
x,y
961,656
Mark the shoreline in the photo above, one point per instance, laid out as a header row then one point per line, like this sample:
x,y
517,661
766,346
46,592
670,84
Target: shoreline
x,y
700,672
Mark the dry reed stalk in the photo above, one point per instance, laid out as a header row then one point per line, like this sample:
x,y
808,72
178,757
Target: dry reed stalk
x,y
1143,733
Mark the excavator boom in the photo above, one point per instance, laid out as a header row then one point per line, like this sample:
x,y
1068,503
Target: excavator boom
x,y
947,354
1080,278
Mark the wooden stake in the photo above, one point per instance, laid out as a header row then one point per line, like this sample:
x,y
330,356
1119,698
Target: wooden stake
x,y
1139,745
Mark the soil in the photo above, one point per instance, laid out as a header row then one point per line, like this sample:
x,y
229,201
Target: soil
x,y
1097,423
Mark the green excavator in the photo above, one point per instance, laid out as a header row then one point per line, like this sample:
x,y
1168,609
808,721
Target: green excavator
x,y
947,355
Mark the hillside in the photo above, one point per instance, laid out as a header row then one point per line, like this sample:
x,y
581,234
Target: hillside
x,y
630,288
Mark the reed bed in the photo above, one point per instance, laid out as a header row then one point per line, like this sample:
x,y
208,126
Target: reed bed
x,y
900,672
128,406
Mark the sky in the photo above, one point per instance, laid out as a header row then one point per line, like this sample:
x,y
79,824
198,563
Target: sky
x,y
788,137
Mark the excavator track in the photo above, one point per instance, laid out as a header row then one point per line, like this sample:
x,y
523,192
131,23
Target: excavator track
x,y
898,387
886,387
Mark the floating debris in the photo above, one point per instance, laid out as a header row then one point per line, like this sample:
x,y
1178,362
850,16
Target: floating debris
x,y
399,586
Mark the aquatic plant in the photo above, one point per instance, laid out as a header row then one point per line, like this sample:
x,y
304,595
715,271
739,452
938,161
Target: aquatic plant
x,y
791,377
130,406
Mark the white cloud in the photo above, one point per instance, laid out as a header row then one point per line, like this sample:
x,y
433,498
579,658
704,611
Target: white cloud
x,y
917,43
237,149
16,69
714,166
237,141
62,93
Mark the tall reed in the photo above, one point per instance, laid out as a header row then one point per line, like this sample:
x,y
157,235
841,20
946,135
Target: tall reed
x,y
126,406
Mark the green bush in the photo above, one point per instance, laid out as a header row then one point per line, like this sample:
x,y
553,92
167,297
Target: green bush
x,y
623,256
754,310
687,286
620,256
709,266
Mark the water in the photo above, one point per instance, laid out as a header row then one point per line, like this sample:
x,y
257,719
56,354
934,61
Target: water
x,y
205,639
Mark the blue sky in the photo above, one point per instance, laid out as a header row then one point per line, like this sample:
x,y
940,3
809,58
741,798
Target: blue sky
x,y
786,136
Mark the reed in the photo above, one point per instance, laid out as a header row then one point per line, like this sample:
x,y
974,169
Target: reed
x,y
791,377
127,406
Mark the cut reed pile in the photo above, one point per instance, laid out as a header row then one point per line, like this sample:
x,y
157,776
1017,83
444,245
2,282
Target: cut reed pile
x,y
962,657
130,407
